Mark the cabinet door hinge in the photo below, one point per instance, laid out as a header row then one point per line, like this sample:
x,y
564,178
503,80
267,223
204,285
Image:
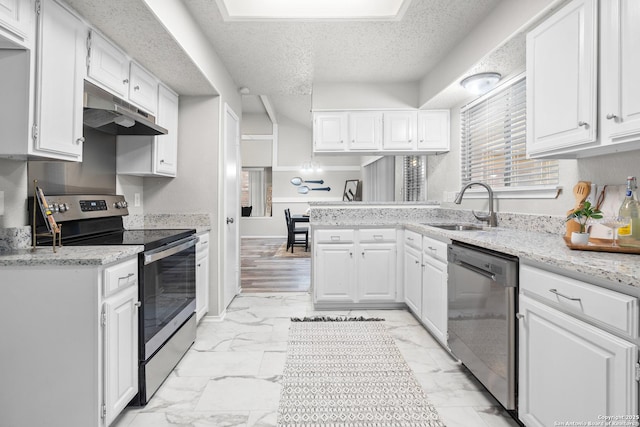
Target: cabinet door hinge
x,y
34,132
638,372
103,411
103,319
38,6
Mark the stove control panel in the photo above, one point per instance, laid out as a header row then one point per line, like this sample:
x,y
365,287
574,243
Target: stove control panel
x,y
93,205
72,207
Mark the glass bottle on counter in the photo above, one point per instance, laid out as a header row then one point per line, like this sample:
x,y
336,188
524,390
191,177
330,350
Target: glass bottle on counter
x,y
630,208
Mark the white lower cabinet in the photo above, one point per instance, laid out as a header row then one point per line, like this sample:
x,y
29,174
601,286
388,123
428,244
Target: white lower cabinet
x,y
376,271
570,369
334,272
78,347
202,275
413,279
120,351
434,291
355,266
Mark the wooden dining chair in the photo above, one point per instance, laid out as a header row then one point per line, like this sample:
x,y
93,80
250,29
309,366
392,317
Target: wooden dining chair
x,y
293,232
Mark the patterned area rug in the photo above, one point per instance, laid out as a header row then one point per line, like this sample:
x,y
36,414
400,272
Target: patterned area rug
x,y
349,374
298,252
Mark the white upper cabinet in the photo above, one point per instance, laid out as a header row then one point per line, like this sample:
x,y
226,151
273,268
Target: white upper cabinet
x,y
152,155
378,132
112,69
620,69
60,72
365,130
108,65
330,131
433,130
16,19
143,88
562,80
400,130
166,146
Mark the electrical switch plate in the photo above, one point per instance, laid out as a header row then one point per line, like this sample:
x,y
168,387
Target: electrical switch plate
x,y
136,199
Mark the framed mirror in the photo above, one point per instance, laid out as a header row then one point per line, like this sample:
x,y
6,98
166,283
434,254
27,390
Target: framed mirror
x,y
352,190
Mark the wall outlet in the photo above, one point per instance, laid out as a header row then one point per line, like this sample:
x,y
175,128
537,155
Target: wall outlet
x,y
136,200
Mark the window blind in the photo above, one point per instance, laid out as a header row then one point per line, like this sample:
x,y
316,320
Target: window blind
x,y
415,178
493,138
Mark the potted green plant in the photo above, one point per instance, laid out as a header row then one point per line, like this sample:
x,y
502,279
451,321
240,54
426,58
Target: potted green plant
x,y
582,215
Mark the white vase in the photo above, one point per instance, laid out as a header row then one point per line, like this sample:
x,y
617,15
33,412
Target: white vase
x,y
578,238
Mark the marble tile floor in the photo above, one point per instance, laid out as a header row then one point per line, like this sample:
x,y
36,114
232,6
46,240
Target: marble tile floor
x,y
231,375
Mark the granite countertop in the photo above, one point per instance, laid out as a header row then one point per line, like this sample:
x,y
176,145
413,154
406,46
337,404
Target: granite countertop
x,y
68,256
623,270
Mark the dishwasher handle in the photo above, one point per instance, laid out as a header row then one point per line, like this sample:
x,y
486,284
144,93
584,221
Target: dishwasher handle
x,y
487,274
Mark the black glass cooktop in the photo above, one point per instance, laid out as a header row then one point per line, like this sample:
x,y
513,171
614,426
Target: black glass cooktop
x,y
150,238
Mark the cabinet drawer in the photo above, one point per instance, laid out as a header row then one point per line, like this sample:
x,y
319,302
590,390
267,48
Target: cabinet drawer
x,y
616,310
120,276
434,248
378,235
203,243
413,239
335,236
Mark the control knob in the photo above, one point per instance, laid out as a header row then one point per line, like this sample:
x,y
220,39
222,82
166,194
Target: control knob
x,y
121,205
54,207
63,207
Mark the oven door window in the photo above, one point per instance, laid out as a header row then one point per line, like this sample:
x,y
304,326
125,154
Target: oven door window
x,y
169,292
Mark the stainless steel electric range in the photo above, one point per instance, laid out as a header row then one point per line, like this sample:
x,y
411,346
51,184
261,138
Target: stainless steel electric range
x,y
166,268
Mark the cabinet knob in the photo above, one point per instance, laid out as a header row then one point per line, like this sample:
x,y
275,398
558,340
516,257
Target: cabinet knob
x,y
80,140
125,81
519,316
136,87
581,123
341,142
422,140
138,304
410,140
611,116
161,160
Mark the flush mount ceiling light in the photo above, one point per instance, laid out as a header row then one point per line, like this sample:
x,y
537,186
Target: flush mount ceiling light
x,y
252,10
480,83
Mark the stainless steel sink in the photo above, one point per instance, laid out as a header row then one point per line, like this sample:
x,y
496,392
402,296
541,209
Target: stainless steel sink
x,y
456,227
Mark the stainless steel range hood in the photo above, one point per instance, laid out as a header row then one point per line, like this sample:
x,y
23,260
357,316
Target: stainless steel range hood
x,y
108,113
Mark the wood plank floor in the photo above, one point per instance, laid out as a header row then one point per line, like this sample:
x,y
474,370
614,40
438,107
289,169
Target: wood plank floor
x,y
262,271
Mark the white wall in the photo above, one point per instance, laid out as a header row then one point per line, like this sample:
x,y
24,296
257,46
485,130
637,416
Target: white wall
x,y
13,186
294,146
195,189
354,96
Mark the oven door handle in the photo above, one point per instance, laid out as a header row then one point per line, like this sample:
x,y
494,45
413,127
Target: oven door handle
x,y
165,251
475,269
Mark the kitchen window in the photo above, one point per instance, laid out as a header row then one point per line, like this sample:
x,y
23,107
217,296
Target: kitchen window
x,y
493,138
414,176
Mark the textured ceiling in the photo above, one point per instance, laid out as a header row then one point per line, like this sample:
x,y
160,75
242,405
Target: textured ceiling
x,y
131,25
287,57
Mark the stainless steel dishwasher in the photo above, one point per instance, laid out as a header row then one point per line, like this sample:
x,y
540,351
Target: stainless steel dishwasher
x,y
482,288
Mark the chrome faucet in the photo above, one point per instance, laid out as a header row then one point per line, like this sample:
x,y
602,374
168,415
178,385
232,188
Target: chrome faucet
x,y
491,219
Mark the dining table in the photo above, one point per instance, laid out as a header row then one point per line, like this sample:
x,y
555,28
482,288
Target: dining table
x,y
295,218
